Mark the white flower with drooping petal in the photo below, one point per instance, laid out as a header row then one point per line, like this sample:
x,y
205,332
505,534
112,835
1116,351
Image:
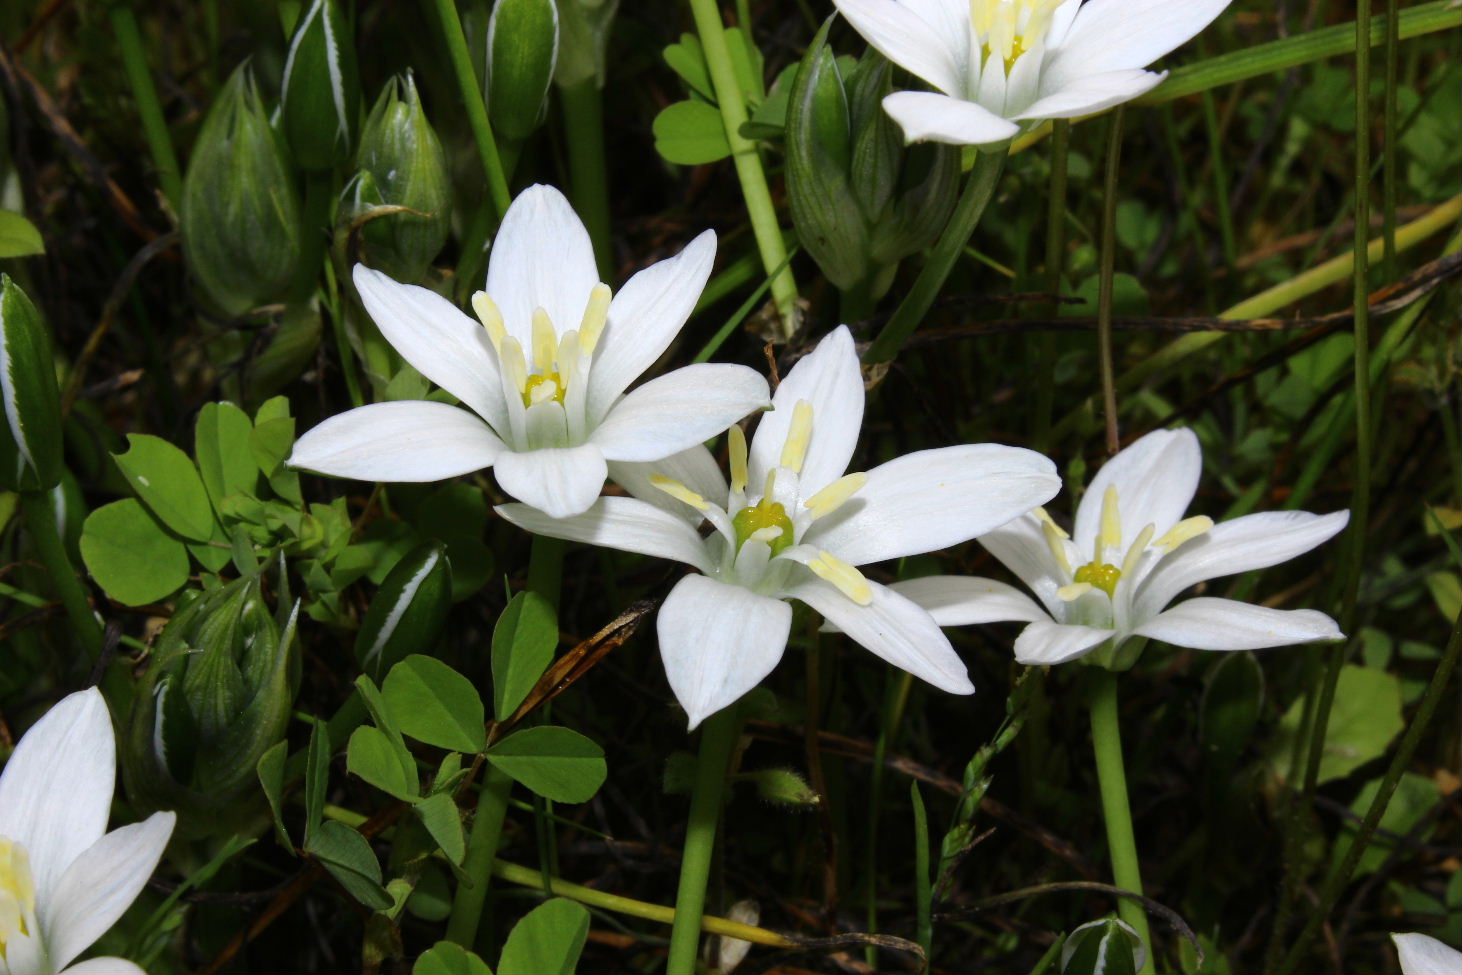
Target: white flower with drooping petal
x,y
1131,553
794,526
1003,65
64,880
544,374
1422,954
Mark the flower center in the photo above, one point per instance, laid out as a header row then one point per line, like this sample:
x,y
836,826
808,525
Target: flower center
x,y
542,387
1009,28
1099,574
765,521
17,894
558,360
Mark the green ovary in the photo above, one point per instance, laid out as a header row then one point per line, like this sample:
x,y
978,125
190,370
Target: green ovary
x,y
1101,575
762,515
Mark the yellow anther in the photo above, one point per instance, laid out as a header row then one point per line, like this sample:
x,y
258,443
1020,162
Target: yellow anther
x,y
510,356
1073,592
736,444
1185,530
17,891
832,497
1010,28
799,432
545,343
1138,547
1045,518
492,319
679,492
850,581
1055,541
1111,534
596,313
1101,575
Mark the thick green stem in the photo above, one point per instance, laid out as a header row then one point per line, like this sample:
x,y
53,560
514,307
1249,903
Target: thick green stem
x,y
470,88
545,568
1104,282
149,109
749,170
979,187
40,518
1106,740
718,735
487,826
583,122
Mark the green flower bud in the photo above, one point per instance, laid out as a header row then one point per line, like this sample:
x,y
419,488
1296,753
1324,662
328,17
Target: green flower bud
x,y
401,164
522,49
217,696
240,213
320,94
1106,947
583,35
408,611
30,425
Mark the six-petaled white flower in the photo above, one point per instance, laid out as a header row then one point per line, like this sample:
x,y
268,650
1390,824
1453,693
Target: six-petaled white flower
x,y
543,375
1131,552
1001,65
1422,954
793,526
64,880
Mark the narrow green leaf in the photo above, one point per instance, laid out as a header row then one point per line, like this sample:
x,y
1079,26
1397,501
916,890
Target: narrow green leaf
x,y
317,776
350,860
270,769
409,610
522,648
221,445
18,236
438,813
382,762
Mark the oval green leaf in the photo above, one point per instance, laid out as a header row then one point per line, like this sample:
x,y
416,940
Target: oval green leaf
x,y
556,763
547,941
432,703
130,555
167,482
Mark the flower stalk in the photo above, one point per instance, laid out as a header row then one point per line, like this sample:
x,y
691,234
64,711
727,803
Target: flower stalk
x,y
487,826
1106,741
717,738
40,517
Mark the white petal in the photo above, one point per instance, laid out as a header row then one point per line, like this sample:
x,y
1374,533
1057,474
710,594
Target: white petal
x,y
439,341
101,884
1155,479
829,379
546,425
695,468
56,790
718,641
106,965
541,258
932,499
1110,35
1021,547
1254,541
1207,623
928,117
644,317
1047,643
962,600
559,481
411,440
679,410
936,50
1421,954
627,524
893,627
1091,93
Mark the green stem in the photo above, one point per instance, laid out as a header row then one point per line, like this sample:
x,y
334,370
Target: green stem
x,y
487,826
897,684
583,122
149,109
545,568
470,88
749,170
718,735
1106,740
40,517
979,187
1044,365
1104,282
1388,145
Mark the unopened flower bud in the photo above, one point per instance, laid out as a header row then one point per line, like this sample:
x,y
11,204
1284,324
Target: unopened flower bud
x,y
583,35
522,49
400,164
217,696
240,213
319,98
30,424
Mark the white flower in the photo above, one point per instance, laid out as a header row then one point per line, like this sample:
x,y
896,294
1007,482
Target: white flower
x,y
999,65
1423,955
794,527
1131,553
543,375
64,880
